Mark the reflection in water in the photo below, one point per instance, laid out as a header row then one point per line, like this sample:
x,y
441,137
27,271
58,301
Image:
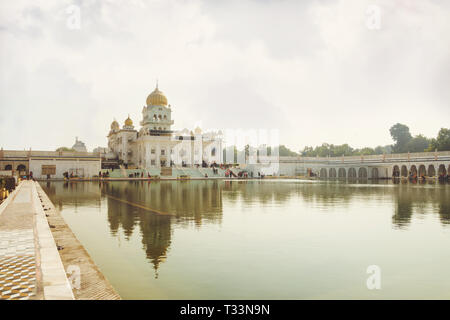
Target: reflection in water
x,y
412,199
408,199
198,205
201,202
197,201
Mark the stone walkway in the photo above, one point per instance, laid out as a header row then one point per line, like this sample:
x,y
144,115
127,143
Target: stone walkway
x,y
92,284
17,247
30,266
17,264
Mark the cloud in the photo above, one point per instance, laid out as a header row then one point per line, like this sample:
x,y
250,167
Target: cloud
x,y
312,69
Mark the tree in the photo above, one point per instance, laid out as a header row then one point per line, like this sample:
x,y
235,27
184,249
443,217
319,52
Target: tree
x,y
365,151
442,141
418,144
307,151
383,149
401,135
339,150
284,151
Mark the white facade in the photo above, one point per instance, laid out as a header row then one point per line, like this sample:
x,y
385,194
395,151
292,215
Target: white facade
x,y
155,145
82,168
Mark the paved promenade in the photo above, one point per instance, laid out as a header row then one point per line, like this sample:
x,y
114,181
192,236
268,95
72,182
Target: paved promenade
x,y
30,265
89,283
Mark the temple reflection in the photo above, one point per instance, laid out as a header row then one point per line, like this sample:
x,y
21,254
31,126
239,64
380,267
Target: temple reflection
x,y
156,208
195,202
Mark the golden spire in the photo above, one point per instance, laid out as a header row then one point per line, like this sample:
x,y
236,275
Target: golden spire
x,y
156,98
128,121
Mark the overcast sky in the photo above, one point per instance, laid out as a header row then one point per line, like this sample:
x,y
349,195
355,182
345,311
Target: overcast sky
x,y
319,71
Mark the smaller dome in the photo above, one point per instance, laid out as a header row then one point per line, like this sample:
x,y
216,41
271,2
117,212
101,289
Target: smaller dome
x,y
128,122
115,125
198,130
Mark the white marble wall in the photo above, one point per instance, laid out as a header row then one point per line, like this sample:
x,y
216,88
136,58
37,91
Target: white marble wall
x,y
88,168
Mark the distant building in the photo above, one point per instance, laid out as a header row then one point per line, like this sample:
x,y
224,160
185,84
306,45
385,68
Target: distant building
x,y
79,146
50,164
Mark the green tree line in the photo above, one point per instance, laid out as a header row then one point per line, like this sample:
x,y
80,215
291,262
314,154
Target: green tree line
x,y
401,135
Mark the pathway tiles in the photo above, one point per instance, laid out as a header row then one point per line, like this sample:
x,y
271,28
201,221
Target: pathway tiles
x,y
17,249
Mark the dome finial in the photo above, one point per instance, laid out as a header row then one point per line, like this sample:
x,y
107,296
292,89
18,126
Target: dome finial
x,y
156,98
156,83
128,121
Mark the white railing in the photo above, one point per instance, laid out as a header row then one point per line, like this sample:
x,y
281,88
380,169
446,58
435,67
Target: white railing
x,y
33,153
367,158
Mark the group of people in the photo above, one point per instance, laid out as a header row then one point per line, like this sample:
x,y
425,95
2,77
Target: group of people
x,y
241,174
68,175
103,174
443,177
136,175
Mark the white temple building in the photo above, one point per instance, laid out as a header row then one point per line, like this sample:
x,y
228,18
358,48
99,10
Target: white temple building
x,y
156,145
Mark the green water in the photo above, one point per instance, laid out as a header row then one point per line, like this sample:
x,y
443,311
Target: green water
x,y
271,239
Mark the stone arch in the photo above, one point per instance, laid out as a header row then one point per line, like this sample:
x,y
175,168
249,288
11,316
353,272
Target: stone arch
x,y
422,170
375,173
396,171
404,171
9,167
351,173
362,173
442,170
431,171
342,173
21,167
323,173
332,173
413,170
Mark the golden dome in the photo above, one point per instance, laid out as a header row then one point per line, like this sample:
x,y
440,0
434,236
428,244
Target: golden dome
x,y
115,125
128,122
156,98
